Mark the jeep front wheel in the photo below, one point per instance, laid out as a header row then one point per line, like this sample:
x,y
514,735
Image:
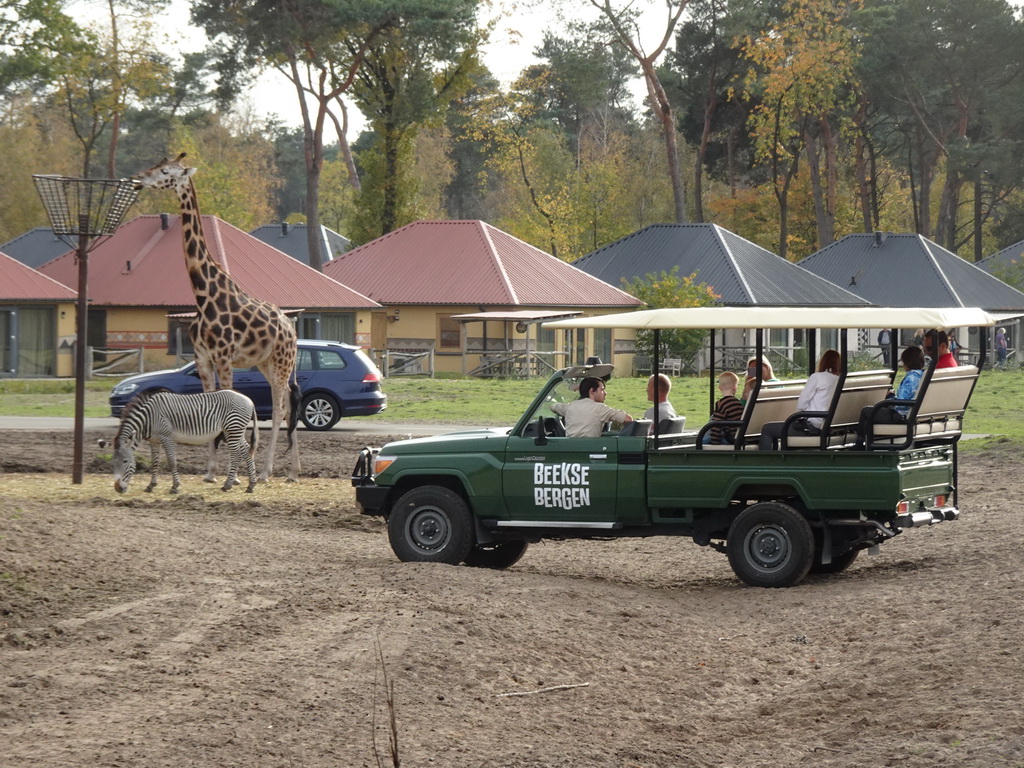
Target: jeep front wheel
x,y
770,545
431,524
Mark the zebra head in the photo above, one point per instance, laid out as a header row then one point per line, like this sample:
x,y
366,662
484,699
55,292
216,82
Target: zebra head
x,y
129,433
124,462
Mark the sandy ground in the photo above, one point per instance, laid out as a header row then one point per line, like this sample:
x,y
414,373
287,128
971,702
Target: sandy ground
x,y
215,629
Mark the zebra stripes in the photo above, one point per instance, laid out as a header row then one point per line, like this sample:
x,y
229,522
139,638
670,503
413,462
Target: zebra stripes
x,y
164,418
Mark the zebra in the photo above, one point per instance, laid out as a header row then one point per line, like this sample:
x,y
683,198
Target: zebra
x,y
166,418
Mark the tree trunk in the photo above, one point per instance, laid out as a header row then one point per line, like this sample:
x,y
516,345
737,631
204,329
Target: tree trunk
x,y
346,148
389,207
710,104
977,221
313,155
814,169
860,149
828,140
663,110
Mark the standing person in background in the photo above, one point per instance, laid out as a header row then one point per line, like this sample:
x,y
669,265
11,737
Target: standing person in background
x,y
816,396
1002,348
885,342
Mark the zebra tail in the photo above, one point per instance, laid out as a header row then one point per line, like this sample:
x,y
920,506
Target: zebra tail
x,y
294,402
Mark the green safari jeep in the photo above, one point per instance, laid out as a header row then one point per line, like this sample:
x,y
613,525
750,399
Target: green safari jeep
x,y
480,497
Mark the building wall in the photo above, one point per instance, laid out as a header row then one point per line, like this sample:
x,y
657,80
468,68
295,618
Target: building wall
x,y
66,334
420,328
134,327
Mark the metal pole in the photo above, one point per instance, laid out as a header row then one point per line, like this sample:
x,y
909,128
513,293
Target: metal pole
x,y
81,349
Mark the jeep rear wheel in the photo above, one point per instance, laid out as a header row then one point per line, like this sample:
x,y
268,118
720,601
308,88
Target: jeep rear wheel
x,y
838,564
431,524
770,545
497,556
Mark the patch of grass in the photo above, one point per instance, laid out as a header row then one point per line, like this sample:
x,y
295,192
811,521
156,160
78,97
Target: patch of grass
x,y
53,397
500,402
997,407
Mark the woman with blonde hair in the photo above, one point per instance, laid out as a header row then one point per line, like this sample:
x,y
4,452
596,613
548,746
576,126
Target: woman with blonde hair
x,y
816,396
767,375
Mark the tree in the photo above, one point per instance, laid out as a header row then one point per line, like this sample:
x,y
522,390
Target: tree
x,y
668,289
702,71
410,75
946,72
803,73
622,24
134,65
36,36
237,178
318,45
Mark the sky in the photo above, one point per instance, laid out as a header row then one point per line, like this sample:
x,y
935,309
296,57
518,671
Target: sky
x,y
519,31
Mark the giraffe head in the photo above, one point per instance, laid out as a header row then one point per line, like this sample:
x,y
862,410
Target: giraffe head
x,y
167,174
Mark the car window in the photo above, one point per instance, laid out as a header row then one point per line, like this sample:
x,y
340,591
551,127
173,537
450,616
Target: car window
x,y
305,360
330,360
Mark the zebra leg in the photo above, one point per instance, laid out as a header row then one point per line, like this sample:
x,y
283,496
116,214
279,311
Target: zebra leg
x,y
172,460
211,464
154,457
236,451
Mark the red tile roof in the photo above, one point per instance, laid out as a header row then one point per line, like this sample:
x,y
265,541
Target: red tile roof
x,y
468,262
21,283
143,265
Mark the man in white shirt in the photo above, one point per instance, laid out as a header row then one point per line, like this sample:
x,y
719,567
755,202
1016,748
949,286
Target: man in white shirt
x,y
665,409
587,416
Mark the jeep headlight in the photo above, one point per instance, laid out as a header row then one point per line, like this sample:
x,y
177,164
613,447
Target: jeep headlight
x,y
382,462
124,388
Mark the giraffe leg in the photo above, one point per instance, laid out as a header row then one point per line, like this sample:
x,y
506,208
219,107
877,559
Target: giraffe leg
x,y
268,462
204,367
277,393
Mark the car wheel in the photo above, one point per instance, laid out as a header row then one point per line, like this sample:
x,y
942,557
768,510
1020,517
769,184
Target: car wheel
x,y
496,556
431,524
319,412
770,545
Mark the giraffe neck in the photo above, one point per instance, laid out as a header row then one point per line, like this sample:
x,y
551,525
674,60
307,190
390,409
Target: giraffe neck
x,y
207,276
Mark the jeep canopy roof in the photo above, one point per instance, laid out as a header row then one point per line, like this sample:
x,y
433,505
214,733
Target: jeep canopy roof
x,y
786,317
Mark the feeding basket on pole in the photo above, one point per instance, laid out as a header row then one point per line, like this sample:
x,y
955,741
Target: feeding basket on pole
x,y
80,211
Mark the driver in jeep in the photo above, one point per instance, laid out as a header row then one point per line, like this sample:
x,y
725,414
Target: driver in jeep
x,y
587,416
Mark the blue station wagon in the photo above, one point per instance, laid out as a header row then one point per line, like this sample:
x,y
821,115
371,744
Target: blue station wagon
x,y
336,380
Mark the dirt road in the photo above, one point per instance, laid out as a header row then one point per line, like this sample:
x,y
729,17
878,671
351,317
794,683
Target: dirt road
x,y
216,629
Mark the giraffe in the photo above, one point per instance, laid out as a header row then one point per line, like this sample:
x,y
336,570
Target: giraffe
x,y
231,329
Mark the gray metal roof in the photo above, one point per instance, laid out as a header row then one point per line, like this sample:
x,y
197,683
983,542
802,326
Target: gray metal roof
x,y
291,239
35,247
739,271
1012,256
910,271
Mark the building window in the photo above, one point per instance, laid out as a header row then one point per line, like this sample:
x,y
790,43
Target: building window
x,y
449,332
178,341
603,344
329,326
